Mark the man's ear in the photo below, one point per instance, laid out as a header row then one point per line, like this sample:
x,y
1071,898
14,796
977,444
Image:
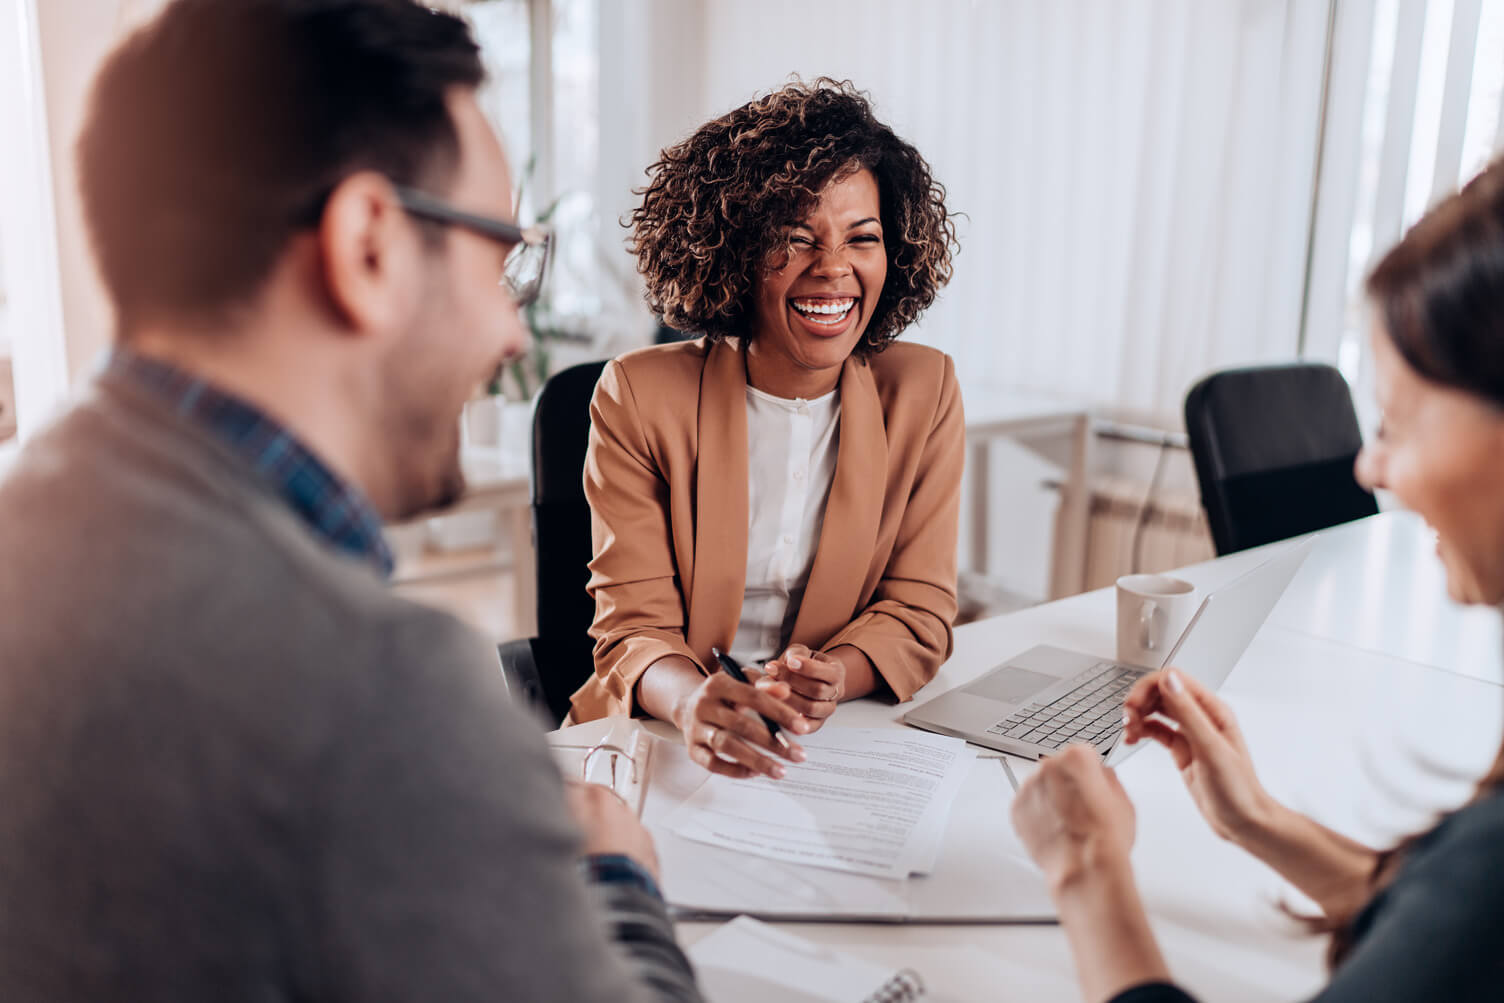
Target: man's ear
x,y
371,255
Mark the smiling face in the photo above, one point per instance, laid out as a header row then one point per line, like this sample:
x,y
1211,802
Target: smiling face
x,y
467,327
1438,451
809,314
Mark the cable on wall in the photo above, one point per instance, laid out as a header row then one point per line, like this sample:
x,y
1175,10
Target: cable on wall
x,y
1148,505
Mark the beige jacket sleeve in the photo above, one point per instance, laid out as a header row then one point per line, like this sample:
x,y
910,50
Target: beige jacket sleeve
x,y
906,627
639,603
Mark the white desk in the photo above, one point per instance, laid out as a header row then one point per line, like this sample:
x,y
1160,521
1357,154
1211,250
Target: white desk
x,y
1374,584
1338,729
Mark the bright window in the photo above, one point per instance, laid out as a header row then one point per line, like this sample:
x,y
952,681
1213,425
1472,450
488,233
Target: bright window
x,y
543,59
1432,117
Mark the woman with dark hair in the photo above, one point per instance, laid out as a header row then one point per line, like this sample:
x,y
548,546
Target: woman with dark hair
x,y
1425,919
785,487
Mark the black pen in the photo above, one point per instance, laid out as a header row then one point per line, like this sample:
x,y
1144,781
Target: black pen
x,y
729,666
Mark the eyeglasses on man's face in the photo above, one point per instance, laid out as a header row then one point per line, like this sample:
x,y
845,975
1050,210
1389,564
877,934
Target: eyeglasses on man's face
x,y
526,266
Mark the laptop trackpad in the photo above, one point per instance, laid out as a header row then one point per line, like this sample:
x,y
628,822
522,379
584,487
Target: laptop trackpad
x,y
1011,685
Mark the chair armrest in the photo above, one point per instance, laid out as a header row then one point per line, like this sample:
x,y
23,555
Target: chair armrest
x,y
519,667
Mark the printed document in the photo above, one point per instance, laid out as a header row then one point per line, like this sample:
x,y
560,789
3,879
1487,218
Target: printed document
x,y
871,801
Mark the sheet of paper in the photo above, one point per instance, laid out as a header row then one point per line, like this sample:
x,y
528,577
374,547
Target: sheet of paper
x,y
976,877
866,800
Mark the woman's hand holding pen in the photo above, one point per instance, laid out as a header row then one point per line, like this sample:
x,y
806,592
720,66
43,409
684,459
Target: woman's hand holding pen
x,y
721,727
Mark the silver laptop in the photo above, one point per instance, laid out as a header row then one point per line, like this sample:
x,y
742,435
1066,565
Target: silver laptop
x,y
1047,697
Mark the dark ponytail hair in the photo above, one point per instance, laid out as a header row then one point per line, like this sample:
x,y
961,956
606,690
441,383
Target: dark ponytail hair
x,y
1439,294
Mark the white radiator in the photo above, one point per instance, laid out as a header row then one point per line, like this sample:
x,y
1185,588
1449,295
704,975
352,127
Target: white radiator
x,y
1174,531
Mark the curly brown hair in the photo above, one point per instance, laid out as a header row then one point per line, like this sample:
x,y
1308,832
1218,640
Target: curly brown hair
x,y
719,207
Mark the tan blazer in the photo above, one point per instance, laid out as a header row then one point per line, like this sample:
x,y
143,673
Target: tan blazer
x,y
666,475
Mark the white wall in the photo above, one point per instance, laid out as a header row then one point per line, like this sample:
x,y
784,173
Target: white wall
x,y
1136,177
652,84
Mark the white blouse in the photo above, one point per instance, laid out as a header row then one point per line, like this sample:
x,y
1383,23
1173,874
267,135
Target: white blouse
x,y
791,461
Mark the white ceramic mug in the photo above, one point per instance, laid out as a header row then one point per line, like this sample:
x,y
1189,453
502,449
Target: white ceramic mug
x,y
1153,611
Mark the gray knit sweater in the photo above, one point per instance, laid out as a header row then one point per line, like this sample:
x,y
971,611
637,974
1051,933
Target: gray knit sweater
x,y
233,767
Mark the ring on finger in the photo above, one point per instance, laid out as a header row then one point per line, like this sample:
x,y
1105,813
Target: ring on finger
x,y
710,731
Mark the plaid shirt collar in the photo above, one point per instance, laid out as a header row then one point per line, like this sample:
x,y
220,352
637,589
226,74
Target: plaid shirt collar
x,y
334,509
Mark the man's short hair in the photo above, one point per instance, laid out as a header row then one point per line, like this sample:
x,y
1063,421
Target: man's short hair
x,y
219,129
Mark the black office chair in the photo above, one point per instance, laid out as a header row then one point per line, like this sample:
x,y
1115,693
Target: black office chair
x,y
1274,449
545,670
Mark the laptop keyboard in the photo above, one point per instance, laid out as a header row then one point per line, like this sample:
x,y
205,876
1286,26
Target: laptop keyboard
x,y
1091,712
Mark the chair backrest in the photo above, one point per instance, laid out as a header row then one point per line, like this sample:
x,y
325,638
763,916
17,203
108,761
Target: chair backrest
x,y
1274,449
561,533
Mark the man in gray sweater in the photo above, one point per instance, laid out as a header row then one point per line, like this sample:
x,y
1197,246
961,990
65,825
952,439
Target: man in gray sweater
x,y
232,766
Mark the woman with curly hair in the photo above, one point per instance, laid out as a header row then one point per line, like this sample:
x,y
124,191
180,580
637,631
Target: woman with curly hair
x,y
786,487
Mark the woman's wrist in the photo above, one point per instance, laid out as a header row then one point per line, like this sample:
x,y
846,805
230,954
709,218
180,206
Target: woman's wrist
x,y
665,686
1270,831
1106,925
1260,824
1334,871
1090,866
861,674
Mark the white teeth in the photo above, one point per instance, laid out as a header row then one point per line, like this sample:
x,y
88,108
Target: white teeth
x,y
827,307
